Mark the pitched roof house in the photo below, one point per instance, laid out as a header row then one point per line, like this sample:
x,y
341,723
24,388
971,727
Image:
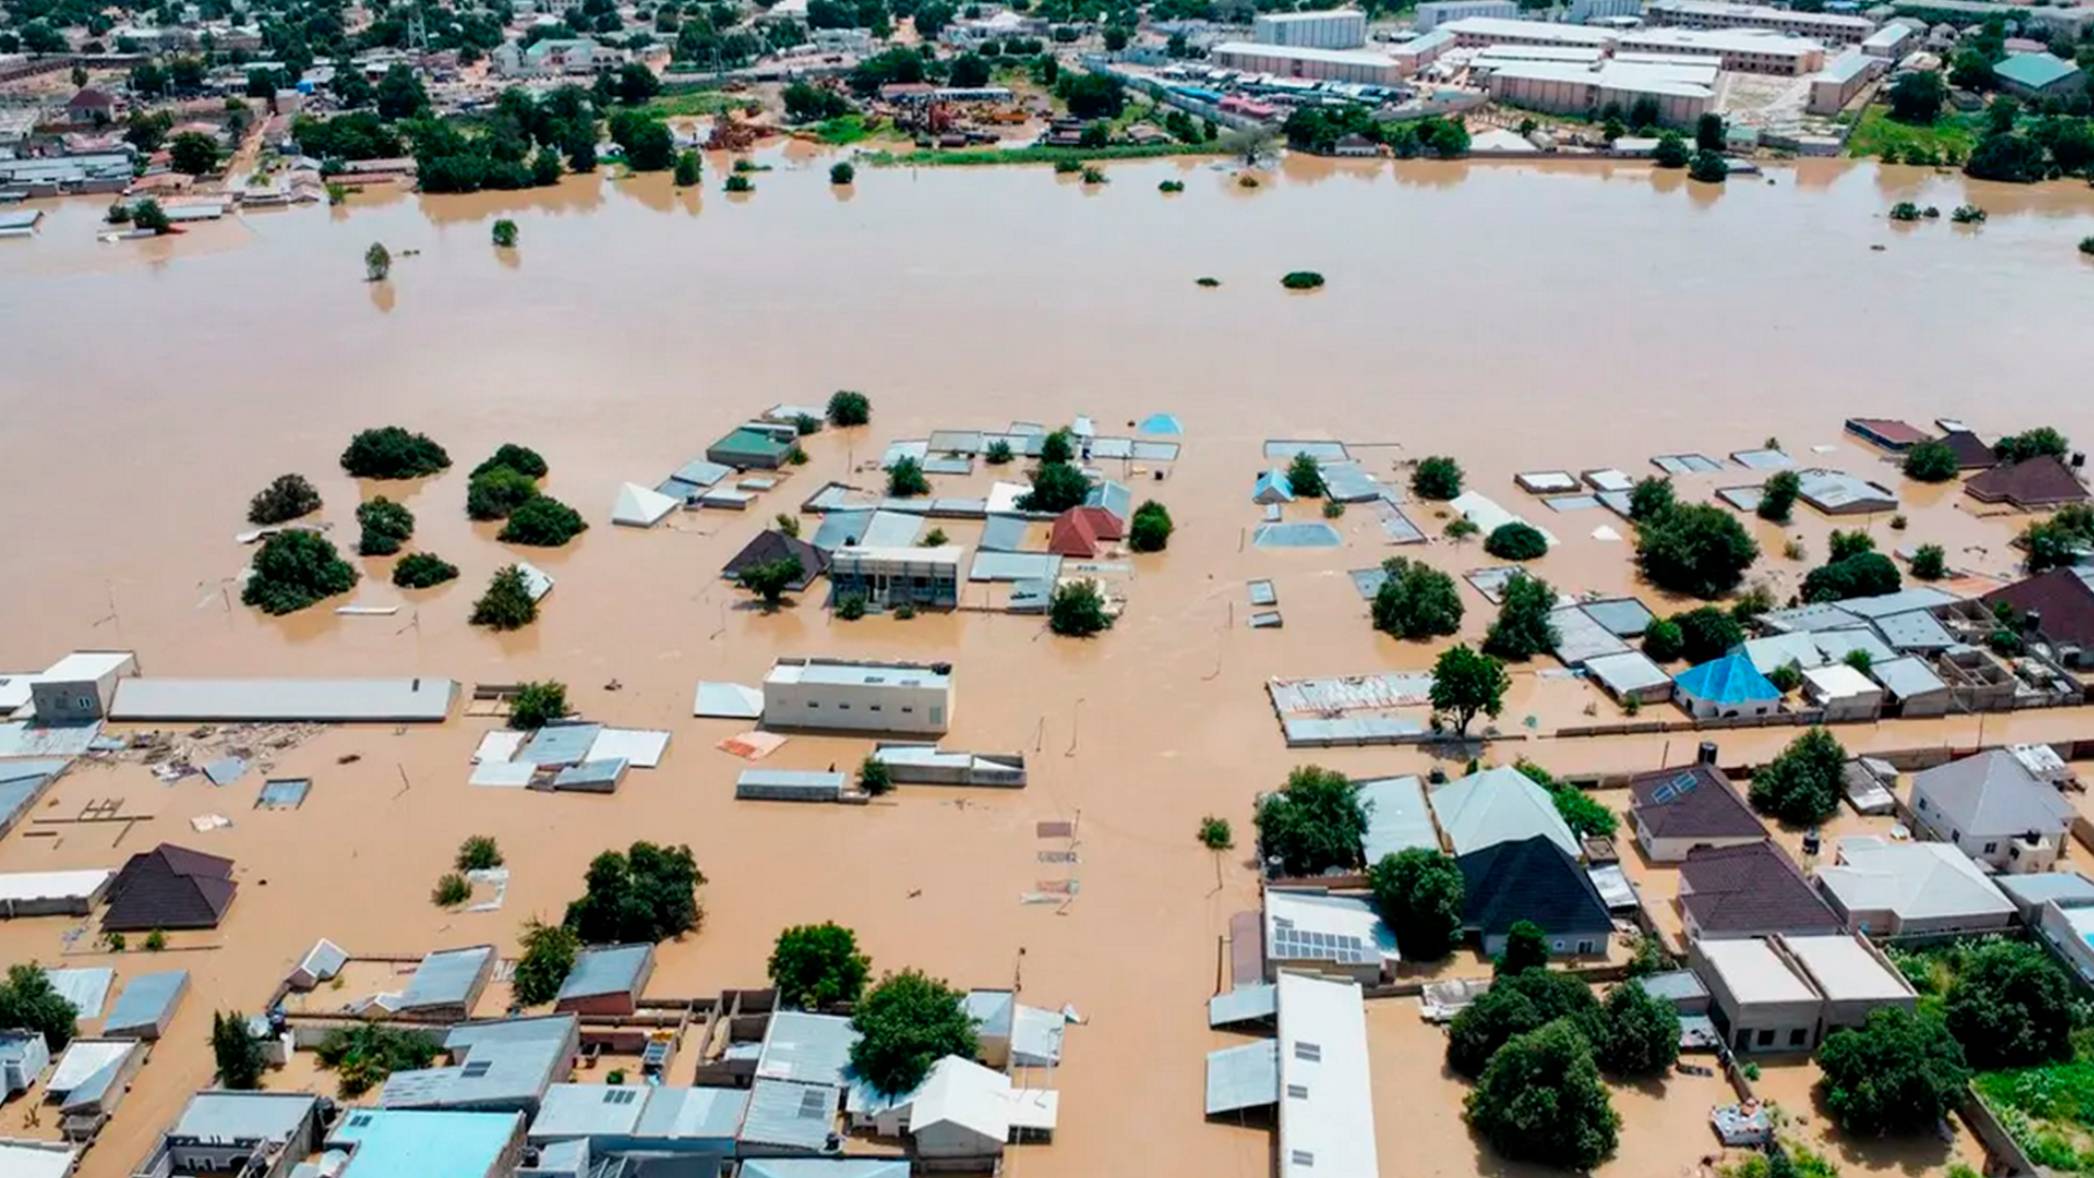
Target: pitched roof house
x,y
1083,531
2043,481
170,887
1729,686
773,545
1532,879
1498,805
1748,891
1888,889
1970,450
2061,599
1676,810
1994,809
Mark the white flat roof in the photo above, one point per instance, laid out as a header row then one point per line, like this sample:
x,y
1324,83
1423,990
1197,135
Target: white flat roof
x,y
17,886
1847,66
1494,54
85,664
1499,26
1754,973
320,700
1303,53
36,1159
1302,17
1326,1093
849,674
1725,40
1846,971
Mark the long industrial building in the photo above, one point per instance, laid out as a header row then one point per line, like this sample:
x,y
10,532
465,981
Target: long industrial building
x,y
1748,51
1845,76
1342,28
1683,91
1830,27
1476,32
1432,14
1323,65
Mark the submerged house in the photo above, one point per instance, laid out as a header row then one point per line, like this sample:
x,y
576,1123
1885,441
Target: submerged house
x,y
1748,891
2032,483
243,1133
888,577
1726,688
770,546
448,983
170,887
608,979
497,1065
1532,879
846,695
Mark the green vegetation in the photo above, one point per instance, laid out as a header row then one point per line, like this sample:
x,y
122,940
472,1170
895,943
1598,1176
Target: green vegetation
x,y
1466,683
1523,628
1940,140
1897,1073
378,260
421,570
451,890
148,215
1311,824
1709,167
998,453
2047,1109
1301,280
386,526
1801,786
688,170
1663,640
817,965
648,893
1416,601
849,408
2036,443
1215,834
1516,541
850,606
1517,1002
362,1056
692,104
770,579
549,952
1931,461
2010,1005
1671,151
1905,211
1077,610
1526,947
507,604
536,704
1967,215
287,497
504,234
1418,892
235,1055
739,183
905,1024
1305,477
1150,529
1170,187
1707,633
293,570
1694,548
1093,175
155,941
1579,811
193,153
479,852
905,479
1863,574
30,1002
841,174
496,492
1641,1035
391,452
1785,678
542,522
1929,563
1651,498
2059,540
1778,496
521,459
1056,487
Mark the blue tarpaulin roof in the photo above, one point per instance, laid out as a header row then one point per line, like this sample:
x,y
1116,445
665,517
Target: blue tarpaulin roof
x,y
1165,424
1731,679
1272,487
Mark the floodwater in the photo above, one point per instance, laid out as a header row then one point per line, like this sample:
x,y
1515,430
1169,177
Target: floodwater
x,y
1515,316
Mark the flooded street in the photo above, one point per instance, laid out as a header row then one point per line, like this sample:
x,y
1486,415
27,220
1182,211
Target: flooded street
x,y
1514,316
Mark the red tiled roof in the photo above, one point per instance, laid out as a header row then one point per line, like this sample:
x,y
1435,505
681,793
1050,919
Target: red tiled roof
x,y
1886,431
1074,534
2033,482
1107,525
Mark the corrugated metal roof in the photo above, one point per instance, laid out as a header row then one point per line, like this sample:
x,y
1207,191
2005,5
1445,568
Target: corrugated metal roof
x,y
613,969
87,988
559,744
244,1116
446,977
1243,1004
796,1116
147,1001
1243,1077
317,700
810,1048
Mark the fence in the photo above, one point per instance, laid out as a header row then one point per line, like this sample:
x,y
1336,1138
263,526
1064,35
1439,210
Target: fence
x,y
2004,1157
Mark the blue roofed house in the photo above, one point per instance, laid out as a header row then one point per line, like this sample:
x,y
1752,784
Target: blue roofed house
x,y
392,1143
1272,487
1725,688
2033,76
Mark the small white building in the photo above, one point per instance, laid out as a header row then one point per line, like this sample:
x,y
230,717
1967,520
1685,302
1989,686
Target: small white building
x,y
1844,693
962,1112
1341,28
848,696
78,688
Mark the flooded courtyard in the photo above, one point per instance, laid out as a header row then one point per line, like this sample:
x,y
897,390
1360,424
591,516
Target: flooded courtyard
x,y
1517,317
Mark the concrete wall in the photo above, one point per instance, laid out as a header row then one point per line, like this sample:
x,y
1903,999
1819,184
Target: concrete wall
x,y
883,707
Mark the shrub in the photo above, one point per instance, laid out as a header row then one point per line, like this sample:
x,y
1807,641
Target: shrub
x,y
148,215
1416,600
1215,834
1437,477
1067,167
1150,529
1696,549
1171,186
1311,824
842,173
1931,462
1968,215
521,459
1418,892
2010,1006
817,965
1301,280
739,183
1897,1073
647,893
849,408
998,453
549,952
1093,175
1077,609
543,522
905,479
1516,541
1059,446
850,606
688,170
1904,210
451,890
1523,628
1801,786
2033,443
1460,528
1929,562
391,452
1671,151
874,777
1785,678
537,704
156,940
386,526
478,852
505,234
805,424
378,262
507,604
1305,477
1708,167
420,570
1332,509
1707,633
287,497
1864,574
293,570
905,1024
1778,496
363,1055
236,1055
497,491
1663,640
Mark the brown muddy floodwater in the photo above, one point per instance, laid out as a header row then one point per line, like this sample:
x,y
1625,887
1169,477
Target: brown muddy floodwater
x,y
1515,316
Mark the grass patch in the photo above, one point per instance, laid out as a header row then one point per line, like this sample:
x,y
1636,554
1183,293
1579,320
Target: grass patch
x,y
694,103
989,156
1877,134
2048,1110
844,130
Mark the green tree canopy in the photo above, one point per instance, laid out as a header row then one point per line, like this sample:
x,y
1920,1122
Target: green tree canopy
x,y
817,965
236,1054
1523,627
1150,529
1916,97
1514,1005
293,570
1778,496
1897,1073
538,703
1305,477
905,479
1056,487
1526,948
421,570
30,1002
521,459
1865,574
1419,893
549,952
1802,785
1694,548
1516,541
905,1024
1639,1033
648,893
391,452
2035,443
1707,632
1540,1099
1466,683
507,604
386,526
1650,498
1436,477
2010,1006
193,153
1311,824
496,491
543,521
1416,600
770,579
1931,461
1664,640
287,497
1076,609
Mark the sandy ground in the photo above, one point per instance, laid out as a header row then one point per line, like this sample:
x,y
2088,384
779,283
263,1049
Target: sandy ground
x,y
635,324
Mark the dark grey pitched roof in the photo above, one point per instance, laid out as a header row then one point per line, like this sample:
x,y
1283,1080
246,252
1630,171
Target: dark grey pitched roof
x,y
1529,879
1692,801
1752,888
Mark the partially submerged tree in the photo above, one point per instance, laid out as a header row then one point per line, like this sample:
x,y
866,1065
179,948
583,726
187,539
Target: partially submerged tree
x,y
378,262
1540,1099
1466,684
1707,632
1514,1005
1418,891
1801,786
363,1055
287,497
905,1024
420,570
504,234
538,703
1778,496
549,952
770,579
1864,574
1526,948
1694,548
496,492
1056,487
874,776
1639,1033
478,852
507,604
905,479
1650,498
648,893
391,452
1523,627
1898,1073
236,1054
543,522
29,1002
818,965
1311,824
849,408
1305,477
1416,600
386,526
1931,461
2010,1006
1076,609
1516,541
521,459
1929,563
293,570
1150,529
1215,834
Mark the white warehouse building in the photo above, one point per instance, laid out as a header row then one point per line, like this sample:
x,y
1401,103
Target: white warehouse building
x,y
1432,14
841,695
1324,65
1746,51
1341,28
1683,92
1830,27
